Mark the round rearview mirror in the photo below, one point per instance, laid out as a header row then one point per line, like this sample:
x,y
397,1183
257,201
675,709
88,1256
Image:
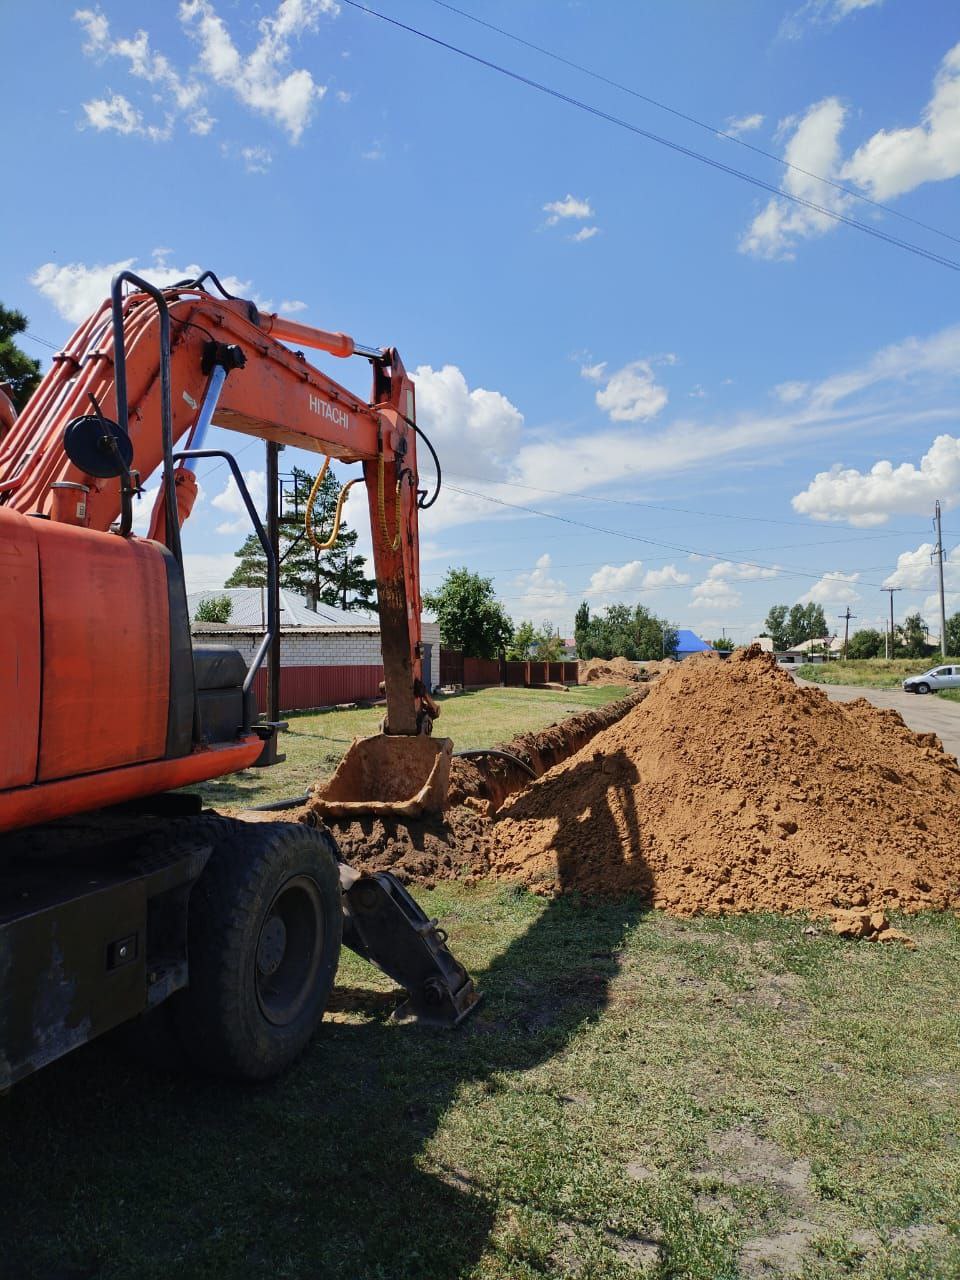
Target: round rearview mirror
x,y
98,446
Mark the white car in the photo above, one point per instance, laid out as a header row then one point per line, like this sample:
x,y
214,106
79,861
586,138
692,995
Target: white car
x,y
935,678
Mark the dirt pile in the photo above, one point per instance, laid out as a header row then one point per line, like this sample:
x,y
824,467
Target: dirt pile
x,y
729,788
608,671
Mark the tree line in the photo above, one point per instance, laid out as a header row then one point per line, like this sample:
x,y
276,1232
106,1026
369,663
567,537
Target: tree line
x,y
473,620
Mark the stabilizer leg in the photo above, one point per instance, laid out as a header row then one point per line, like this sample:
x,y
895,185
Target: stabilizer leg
x,y
383,924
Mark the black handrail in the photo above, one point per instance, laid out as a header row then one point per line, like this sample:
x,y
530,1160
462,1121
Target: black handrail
x,y
166,406
273,622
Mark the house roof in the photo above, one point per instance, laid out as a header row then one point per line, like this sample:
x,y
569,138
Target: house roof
x,y
250,610
690,642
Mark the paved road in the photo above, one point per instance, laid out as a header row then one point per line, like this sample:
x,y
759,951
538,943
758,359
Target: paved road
x,y
925,713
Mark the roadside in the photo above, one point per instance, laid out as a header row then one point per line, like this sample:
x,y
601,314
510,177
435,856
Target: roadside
x,y
924,713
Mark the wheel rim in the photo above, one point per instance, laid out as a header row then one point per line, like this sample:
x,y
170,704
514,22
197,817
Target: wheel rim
x,y
289,951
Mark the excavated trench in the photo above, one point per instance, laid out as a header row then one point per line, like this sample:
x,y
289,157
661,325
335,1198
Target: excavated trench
x,y
459,843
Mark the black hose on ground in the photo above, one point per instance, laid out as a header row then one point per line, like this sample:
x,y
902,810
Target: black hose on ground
x,y
493,751
294,802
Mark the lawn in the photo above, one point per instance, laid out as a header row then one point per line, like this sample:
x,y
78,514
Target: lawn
x,y
873,673
637,1095
316,740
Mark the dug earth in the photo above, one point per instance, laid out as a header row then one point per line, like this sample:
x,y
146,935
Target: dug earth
x,y
727,788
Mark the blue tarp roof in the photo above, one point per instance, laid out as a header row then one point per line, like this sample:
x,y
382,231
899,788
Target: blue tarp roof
x,y
690,642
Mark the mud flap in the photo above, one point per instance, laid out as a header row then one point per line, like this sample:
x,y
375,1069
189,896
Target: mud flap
x,y
383,924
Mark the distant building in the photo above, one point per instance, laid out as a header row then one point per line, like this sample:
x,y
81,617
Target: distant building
x,y
327,655
688,643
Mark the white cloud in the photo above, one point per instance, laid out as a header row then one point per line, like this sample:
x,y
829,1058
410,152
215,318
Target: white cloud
x,y
814,147
542,596
117,114
889,164
479,426
206,571
374,152
896,161
594,372
568,207
917,570
822,11
744,124
612,579
292,306
832,588
740,572
715,593
76,289
668,576
790,392
632,394
585,233
256,159
229,500
865,499
931,607
258,80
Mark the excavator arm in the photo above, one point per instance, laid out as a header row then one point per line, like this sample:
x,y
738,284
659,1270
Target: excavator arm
x,y
162,365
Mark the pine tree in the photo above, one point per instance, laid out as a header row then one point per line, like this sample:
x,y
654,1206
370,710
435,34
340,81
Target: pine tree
x,y
335,577
252,569
18,371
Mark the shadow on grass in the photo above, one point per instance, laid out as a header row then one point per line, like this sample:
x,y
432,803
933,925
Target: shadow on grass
x,y
111,1170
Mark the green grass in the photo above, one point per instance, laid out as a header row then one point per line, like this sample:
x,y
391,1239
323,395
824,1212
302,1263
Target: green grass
x,y
871,673
316,740
635,1092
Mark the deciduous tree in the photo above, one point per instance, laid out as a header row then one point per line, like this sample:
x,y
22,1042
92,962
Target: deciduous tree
x,y
471,618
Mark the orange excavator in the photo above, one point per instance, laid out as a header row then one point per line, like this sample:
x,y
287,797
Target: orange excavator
x,y
120,897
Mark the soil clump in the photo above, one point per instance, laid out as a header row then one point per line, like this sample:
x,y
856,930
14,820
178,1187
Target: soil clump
x,y
730,788
609,671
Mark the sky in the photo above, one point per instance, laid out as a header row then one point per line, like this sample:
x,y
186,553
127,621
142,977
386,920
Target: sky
x,y
647,379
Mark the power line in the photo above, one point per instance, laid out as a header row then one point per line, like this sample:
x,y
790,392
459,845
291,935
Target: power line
x,y
662,141
701,124
689,511
44,342
653,542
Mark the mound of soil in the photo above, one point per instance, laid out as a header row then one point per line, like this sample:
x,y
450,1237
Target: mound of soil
x,y
608,671
729,788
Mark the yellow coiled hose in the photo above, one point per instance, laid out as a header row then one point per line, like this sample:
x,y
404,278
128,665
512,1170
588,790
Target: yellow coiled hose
x,y
308,519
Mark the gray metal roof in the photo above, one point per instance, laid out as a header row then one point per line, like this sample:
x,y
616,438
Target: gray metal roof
x,y
250,610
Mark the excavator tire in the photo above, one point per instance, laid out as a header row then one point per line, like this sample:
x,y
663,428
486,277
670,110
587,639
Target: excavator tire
x,y
264,933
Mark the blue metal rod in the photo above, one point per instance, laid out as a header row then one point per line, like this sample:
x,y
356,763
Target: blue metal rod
x,y
217,378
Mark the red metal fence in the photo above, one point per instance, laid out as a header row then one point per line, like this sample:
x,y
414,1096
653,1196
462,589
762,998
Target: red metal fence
x,y
303,687
456,669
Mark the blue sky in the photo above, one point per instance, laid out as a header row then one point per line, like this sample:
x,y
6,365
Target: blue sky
x,y
737,402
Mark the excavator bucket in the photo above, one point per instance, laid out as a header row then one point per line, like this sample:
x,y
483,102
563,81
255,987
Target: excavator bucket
x,y
401,777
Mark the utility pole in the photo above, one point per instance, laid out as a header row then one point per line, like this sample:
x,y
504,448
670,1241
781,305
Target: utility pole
x,y
938,552
890,636
846,628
